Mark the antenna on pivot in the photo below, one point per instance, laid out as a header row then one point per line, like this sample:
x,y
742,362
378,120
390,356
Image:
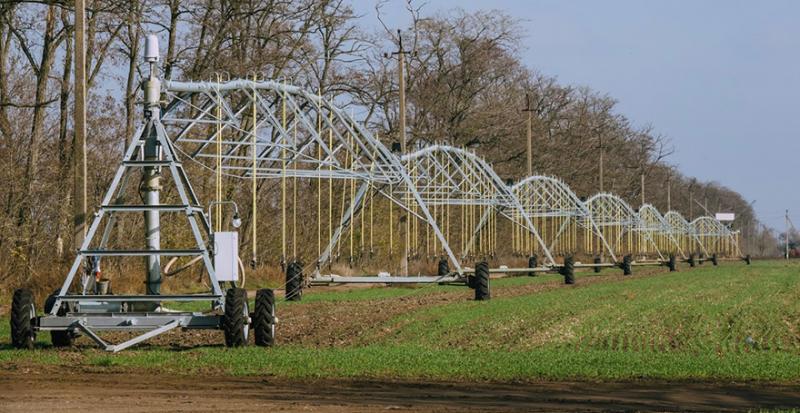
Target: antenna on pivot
x,y
152,85
151,51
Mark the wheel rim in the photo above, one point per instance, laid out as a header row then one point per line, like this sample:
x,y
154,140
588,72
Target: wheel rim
x,y
246,324
272,323
31,317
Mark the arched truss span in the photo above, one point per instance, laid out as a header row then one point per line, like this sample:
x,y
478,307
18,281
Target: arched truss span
x,y
708,226
296,131
677,223
654,227
616,219
548,201
682,232
448,176
714,237
611,210
267,129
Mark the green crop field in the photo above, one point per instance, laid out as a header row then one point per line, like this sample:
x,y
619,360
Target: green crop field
x,y
732,322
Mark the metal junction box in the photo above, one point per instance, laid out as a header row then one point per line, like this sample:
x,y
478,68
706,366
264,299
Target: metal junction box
x,y
226,255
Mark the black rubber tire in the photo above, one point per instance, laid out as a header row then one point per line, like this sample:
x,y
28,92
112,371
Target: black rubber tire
x,y
672,264
597,260
471,281
626,265
444,267
714,260
747,259
482,281
23,334
533,262
294,281
691,260
568,270
234,322
61,338
264,318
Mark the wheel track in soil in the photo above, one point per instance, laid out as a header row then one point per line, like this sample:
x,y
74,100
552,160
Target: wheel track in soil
x,y
345,323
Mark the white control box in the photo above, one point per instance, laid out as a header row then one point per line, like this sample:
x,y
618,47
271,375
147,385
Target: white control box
x,y
226,255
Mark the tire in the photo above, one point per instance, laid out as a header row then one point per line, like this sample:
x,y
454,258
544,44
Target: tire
x,y
63,338
568,270
747,259
23,313
264,318
626,265
597,260
533,262
691,260
294,281
444,267
234,322
714,260
482,281
672,263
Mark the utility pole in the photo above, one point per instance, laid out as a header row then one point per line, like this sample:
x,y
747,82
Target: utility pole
x,y
401,69
642,189
530,133
601,163
79,147
669,193
786,221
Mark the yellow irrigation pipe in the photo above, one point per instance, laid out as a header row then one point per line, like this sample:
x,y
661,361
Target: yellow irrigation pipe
x,y
294,201
283,177
447,210
391,222
344,192
330,179
407,200
352,190
254,185
371,212
319,173
219,155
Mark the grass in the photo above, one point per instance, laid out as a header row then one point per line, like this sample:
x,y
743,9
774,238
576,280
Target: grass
x,y
711,323
708,310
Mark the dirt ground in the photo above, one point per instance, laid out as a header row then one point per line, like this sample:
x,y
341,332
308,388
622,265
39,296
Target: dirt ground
x,y
49,388
329,324
60,390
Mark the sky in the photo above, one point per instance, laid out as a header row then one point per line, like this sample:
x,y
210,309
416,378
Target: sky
x,y
719,78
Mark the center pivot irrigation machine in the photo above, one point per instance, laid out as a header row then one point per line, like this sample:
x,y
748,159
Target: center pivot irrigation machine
x,y
442,205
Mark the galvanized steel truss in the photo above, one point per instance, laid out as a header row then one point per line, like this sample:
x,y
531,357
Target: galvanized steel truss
x,y
545,199
276,130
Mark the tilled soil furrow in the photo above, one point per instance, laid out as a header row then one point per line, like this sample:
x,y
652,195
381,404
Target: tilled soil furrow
x,y
342,323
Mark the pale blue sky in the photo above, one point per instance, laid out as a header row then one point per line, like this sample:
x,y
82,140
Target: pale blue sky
x,y
720,78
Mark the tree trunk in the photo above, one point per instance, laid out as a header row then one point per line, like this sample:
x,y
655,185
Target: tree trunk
x,y
130,86
39,112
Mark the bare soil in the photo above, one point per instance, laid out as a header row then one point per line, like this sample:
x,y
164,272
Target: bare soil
x,y
343,323
59,389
